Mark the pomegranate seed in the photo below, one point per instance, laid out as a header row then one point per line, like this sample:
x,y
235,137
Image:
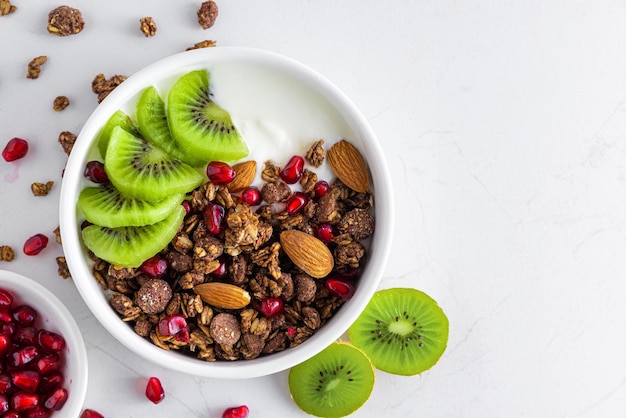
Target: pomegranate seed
x,y
321,188
23,401
90,413
35,244
26,380
5,344
296,202
5,383
5,315
222,271
251,196
11,414
219,172
6,298
7,328
174,325
154,390
236,412
26,336
24,315
4,404
291,331
325,232
50,341
56,399
15,149
214,218
155,266
292,172
23,356
94,171
342,289
51,381
187,206
47,363
271,307
351,273
37,412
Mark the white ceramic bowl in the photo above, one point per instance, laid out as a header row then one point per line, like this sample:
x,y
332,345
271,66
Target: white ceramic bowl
x,y
54,316
260,89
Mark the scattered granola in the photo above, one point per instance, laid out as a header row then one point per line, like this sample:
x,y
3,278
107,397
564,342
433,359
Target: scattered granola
x,y
60,103
65,20
6,7
315,154
102,87
207,14
57,234
147,26
6,253
67,140
34,67
62,269
207,43
41,189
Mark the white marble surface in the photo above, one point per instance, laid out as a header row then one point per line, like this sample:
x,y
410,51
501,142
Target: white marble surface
x,y
504,126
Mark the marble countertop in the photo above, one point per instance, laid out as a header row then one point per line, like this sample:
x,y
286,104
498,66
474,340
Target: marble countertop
x,y
504,127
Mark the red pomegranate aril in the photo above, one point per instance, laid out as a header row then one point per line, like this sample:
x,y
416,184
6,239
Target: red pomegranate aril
x,y
23,401
219,172
271,307
296,203
50,341
48,363
325,232
236,412
4,404
24,315
51,381
27,380
5,383
6,298
7,328
5,315
155,267
321,188
187,206
23,356
154,390
5,344
292,172
12,414
222,271
56,399
38,412
90,413
26,336
341,289
35,244
174,325
94,171
251,196
214,218
291,331
15,149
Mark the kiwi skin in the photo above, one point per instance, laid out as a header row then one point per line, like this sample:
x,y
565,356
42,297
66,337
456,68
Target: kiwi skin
x,y
334,383
402,330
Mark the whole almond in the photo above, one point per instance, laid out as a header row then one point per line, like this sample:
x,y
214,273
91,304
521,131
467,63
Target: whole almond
x,y
348,164
307,252
245,173
223,295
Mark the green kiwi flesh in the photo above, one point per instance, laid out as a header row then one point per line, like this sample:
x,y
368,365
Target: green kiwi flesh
x,y
130,246
118,118
152,122
106,206
201,127
334,383
139,169
402,330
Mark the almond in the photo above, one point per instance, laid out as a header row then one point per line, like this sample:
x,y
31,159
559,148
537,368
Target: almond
x,y
348,164
307,252
245,173
223,295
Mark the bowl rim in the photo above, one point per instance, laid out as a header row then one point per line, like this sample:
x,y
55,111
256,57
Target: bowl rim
x,y
26,288
92,293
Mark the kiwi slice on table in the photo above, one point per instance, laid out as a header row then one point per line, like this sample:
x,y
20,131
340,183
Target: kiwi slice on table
x,y
106,206
152,123
118,118
333,383
139,169
403,331
201,127
129,246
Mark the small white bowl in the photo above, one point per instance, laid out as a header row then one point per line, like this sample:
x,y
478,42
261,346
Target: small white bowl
x,y
283,84
54,316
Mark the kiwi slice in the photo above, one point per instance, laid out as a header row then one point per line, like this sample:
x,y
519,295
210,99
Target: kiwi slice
x,y
201,127
139,169
152,123
129,246
106,206
118,118
403,331
334,383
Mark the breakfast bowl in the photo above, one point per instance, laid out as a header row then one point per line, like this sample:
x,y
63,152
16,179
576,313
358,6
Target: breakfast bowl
x,y
48,352
277,290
